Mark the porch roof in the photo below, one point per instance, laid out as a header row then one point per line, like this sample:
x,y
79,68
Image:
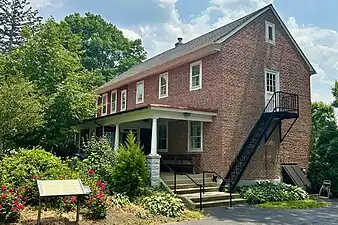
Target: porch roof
x,y
153,111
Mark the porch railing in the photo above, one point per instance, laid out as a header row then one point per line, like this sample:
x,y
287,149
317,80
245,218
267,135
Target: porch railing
x,y
201,186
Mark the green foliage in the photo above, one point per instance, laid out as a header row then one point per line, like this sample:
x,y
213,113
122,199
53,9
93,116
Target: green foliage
x,y
324,152
335,94
20,109
19,169
15,17
130,172
105,49
119,201
271,192
163,204
97,203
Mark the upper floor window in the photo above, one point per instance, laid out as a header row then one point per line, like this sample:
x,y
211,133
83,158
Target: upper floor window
x,y
123,100
140,92
195,130
104,105
163,85
113,101
270,35
196,75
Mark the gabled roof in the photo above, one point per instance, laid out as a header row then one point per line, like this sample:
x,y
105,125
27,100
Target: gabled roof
x,y
218,35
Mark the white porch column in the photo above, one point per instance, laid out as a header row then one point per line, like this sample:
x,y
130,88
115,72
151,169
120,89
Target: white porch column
x,y
153,150
153,159
117,136
102,131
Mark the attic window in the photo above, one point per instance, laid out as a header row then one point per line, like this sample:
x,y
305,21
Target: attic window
x,y
270,35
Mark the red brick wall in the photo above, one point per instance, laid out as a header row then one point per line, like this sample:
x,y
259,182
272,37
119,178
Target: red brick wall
x,y
233,83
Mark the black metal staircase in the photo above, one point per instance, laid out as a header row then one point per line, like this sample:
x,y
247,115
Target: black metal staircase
x,y
281,106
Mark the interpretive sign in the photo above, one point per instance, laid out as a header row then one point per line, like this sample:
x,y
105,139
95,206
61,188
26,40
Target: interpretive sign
x,y
54,188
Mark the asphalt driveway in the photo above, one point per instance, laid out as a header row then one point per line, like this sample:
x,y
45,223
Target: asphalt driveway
x,y
252,215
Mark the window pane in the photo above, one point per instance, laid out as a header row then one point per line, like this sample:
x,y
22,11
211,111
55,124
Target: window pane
x,y
162,144
195,81
163,90
270,34
195,70
163,81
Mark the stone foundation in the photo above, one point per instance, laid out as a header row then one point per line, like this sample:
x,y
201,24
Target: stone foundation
x,y
153,162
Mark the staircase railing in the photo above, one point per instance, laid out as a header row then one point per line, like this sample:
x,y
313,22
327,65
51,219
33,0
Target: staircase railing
x,y
201,186
280,102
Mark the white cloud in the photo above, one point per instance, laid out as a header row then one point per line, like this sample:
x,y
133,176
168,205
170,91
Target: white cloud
x,y
37,4
130,34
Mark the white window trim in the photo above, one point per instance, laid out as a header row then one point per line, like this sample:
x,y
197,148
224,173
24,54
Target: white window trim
x,y
140,82
106,96
111,100
267,25
124,91
162,123
159,85
189,131
200,77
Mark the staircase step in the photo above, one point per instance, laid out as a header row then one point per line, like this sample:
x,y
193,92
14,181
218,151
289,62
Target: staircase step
x,y
195,190
192,185
209,204
210,196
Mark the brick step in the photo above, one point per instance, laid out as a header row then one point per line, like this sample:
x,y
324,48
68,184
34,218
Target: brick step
x,y
209,204
194,190
191,185
211,196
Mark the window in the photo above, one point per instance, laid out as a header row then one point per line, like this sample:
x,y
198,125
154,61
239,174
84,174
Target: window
x,y
270,32
195,142
163,85
196,75
104,105
271,79
162,137
123,100
113,102
139,92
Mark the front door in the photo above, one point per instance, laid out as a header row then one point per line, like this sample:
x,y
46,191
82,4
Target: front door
x,y
145,140
271,86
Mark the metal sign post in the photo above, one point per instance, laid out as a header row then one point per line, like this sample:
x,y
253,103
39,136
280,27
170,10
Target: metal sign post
x,y
61,188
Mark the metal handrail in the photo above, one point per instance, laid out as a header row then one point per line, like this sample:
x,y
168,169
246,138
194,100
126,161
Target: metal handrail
x,y
180,173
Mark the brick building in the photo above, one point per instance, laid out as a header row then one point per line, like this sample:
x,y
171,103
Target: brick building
x,y
225,100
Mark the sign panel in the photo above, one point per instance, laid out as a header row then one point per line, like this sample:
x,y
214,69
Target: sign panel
x,y
48,188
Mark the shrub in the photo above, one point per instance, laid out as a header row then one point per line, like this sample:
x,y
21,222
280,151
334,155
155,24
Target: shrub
x,y
18,169
119,201
163,204
97,202
130,172
11,204
271,192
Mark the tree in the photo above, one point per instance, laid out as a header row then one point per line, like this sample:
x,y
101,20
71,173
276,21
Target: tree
x,y
324,152
15,15
20,109
49,59
105,49
335,94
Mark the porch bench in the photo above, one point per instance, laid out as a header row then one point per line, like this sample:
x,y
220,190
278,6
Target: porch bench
x,y
178,160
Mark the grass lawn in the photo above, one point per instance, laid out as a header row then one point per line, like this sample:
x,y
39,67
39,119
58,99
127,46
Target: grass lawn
x,y
301,204
132,214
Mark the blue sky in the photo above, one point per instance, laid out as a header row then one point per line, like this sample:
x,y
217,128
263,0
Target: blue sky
x,y
159,22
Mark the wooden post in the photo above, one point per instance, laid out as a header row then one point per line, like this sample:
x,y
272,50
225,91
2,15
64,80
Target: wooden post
x,y
39,212
78,210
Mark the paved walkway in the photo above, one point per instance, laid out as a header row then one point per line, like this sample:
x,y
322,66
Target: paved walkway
x,y
252,215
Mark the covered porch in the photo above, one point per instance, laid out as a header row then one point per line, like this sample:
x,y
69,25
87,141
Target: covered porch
x,y
163,131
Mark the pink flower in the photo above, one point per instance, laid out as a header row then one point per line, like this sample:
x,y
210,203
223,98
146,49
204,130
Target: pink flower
x,y
73,199
101,185
3,187
3,196
1,207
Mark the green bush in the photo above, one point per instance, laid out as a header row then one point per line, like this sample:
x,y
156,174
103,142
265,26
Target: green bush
x,y
11,204
19,169
163,204
119,201
271,192
130,172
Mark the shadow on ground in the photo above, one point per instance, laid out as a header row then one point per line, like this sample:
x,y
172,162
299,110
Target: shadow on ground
x,y
246,214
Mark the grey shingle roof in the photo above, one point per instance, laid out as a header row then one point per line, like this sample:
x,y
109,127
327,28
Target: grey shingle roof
x,y
185,48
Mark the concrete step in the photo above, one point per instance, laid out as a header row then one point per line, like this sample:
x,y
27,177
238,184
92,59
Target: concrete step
x,y
194,190
191,185
208,204
211,196
186,180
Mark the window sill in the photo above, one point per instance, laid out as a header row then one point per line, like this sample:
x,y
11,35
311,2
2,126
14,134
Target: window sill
x,y
161,97
271,42
162,150
195,88
195,150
